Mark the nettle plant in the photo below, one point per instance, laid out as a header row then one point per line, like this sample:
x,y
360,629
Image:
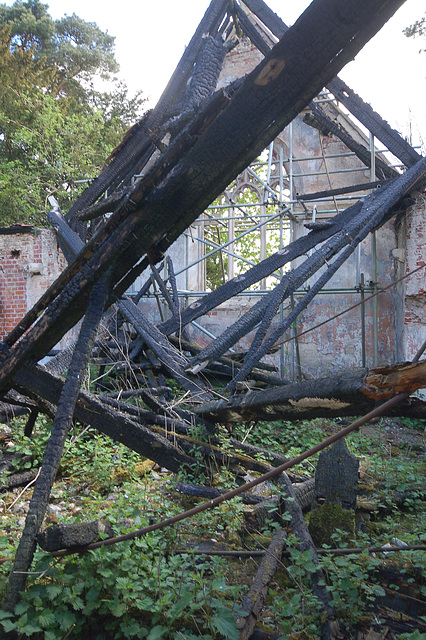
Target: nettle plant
x,y
137,589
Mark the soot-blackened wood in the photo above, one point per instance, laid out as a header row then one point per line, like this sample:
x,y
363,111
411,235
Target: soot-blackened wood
x,y
169,357
114,424
139,142
258,272
54,447
180,186
374,122
350,393
370,214
254,601
355,105
382,170
69,241
305,543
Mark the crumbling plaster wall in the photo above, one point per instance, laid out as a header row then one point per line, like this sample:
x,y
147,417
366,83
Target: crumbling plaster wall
x,y
415,285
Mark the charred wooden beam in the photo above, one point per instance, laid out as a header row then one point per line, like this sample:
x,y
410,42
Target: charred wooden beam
x,y
254,601
343,190
355,105
200,164
238,284
374,122
169,357
368,215
53,452
382,170
350,393
115,424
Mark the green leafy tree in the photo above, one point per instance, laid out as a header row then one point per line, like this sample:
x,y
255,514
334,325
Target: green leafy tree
x,y
417,29
55,128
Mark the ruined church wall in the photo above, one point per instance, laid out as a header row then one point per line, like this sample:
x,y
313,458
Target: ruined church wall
x,y
29,263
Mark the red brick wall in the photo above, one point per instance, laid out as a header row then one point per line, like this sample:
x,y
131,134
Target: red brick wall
x,y
29,263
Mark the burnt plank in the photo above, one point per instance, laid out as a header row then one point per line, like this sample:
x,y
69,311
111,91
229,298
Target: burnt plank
x,y
197,167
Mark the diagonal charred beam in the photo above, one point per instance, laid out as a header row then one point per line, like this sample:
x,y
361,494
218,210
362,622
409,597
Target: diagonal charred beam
x,y
200,164
238,284
362,111
168,355
350,393
368,215
374,122
382,169
53,452
38,382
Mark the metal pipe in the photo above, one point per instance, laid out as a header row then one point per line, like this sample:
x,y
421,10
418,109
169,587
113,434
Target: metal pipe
x,y
374,259
361,288
241,235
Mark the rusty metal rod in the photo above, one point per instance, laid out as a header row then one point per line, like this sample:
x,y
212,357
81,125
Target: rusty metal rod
x,y
210,504
246,553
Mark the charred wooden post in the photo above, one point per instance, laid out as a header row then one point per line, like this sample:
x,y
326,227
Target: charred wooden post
x,y
300,530
169,357
253,602
54,447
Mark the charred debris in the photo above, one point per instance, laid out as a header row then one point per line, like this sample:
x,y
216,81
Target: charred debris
x,y
184,153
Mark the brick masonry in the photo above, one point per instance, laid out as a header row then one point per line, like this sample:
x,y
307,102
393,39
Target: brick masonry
x,y
29,263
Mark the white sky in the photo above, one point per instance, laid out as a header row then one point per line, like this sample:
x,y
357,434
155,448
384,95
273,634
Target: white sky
x,y
389,73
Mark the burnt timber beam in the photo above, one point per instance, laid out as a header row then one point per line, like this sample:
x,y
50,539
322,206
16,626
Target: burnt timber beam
x,y
382,170
362,111
350,393
54,448
368,215
139,141
364,186
201,162
327,124
89,409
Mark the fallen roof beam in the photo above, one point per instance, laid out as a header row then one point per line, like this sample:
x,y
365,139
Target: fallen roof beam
x,y
201,162
352,392
362,111
139,140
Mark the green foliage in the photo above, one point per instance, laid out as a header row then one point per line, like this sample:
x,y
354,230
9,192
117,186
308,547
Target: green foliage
x,y
247,248
137,589
55,128
417,29
143,589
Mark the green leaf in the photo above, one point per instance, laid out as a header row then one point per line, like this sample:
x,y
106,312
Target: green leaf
x,y
21,608
46,619
158,632
8,625
226,624
53,590
119,610
66,620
